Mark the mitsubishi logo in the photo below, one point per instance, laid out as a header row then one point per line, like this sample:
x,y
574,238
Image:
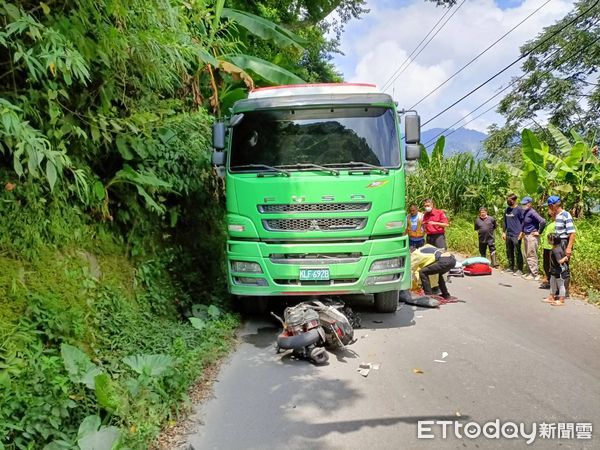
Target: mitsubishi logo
x,y
314,226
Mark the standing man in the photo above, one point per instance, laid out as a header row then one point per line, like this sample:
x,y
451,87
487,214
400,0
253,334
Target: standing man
x,y
415,228
565,228
485,226
533,225
547,249
512,226
435,222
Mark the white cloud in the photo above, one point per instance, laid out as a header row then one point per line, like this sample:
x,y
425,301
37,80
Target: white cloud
x,y
376,45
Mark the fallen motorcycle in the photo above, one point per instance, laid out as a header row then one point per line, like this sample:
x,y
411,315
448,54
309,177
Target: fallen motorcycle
x,y
311,327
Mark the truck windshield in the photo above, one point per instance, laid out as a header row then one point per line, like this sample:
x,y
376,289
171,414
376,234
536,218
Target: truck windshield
x,y
316,136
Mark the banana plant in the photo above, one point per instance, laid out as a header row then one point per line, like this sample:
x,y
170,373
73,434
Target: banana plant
x,y
577,165
574,170
239,65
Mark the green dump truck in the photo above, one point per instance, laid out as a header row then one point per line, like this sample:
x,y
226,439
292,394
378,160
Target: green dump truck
x,y
315,189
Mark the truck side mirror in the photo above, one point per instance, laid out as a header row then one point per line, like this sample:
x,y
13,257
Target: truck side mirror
x,y
412,129
218,132
413,152
218,158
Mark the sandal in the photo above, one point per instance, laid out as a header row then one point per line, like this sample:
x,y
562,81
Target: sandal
x,y
547,300
558,303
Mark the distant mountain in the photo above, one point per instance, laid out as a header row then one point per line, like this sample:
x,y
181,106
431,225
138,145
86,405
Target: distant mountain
x,y
462,140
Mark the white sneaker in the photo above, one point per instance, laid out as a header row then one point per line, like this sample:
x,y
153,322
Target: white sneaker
x,y
518,273
536,278
528,277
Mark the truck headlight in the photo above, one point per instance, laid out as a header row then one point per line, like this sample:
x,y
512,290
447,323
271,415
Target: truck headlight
x,y
235,227
245,267
386,264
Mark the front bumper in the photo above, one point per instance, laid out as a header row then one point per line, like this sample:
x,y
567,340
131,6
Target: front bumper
x,y
348,275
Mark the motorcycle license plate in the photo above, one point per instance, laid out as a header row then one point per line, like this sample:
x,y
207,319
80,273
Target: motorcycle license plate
x,y
314,274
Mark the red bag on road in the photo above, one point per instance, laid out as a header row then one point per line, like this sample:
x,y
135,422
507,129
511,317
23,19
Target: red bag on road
x,y
478,269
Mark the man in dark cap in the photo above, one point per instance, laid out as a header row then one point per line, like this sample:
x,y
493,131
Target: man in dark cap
x,y
533,225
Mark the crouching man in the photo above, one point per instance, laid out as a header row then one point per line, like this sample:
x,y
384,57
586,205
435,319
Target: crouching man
x,y
430,261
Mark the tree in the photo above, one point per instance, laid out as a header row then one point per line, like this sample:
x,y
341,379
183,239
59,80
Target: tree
x,y
560,79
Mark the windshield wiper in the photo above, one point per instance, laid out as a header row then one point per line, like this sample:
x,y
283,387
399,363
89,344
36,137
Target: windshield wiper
x,y
310,166
264,167
360,165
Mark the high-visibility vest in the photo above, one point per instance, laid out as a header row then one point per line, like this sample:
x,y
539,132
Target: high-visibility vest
x,y
419,234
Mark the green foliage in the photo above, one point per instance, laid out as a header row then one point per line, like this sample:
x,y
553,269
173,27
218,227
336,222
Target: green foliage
x,y
459,183
93,436
558,76
573,172
97,349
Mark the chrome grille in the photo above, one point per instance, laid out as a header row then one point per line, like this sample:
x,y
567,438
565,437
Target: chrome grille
x,y
329,224
314,207
314,258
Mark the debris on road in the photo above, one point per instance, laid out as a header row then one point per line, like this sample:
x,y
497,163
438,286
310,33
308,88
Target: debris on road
x,y
443,359
418,371
364,369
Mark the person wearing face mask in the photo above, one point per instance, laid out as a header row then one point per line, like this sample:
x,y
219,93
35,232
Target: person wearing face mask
x,y
485,225
435,222
415,229
533,225
512,226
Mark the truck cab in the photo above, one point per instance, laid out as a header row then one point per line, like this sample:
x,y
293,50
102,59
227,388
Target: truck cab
x,y
315,192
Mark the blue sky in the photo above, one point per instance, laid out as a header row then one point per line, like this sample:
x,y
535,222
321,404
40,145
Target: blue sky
x,y
377,44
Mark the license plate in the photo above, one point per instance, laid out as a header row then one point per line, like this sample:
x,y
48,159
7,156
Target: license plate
x,y
314,274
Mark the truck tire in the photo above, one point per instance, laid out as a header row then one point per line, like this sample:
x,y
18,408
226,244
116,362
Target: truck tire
x,y
386,302
253,306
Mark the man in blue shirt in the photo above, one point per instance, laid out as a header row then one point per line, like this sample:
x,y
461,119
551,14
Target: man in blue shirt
x,y
533,225
512,226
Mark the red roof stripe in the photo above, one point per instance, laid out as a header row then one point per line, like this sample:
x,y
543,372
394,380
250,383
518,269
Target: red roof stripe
x,y
286,86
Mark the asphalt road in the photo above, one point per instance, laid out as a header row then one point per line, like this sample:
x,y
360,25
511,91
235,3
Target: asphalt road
x,y
509,357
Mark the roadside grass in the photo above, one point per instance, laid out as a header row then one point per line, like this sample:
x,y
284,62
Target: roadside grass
x,y
585,265
109,309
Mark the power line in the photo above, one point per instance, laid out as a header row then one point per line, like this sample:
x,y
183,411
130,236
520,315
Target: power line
x,y
505,88
524,55
409,59
480,54
417,47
